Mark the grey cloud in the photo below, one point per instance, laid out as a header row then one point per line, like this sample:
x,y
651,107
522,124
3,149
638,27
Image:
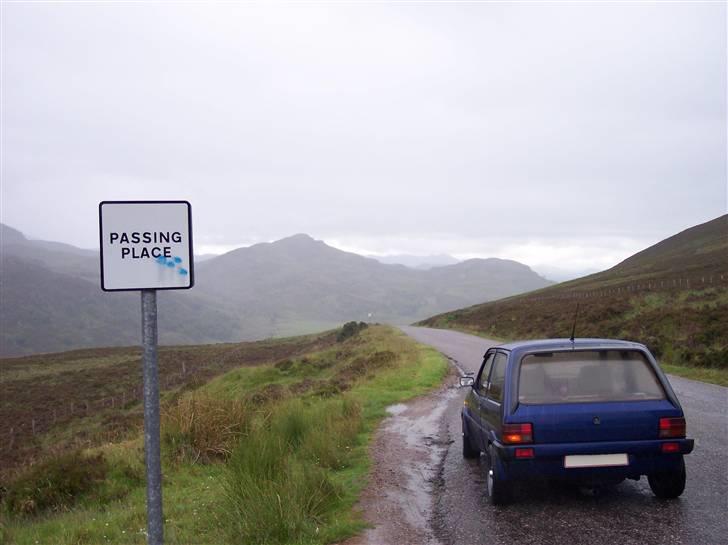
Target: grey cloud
x,y
462,122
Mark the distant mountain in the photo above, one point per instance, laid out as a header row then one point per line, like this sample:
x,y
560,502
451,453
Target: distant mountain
x,y
671,296
55,256
47,311
51,299
299,283
417,261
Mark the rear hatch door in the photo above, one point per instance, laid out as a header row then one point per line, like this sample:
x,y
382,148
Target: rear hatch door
x,y
593,422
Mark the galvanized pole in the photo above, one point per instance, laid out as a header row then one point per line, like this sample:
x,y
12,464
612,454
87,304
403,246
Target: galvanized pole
x,y
155,526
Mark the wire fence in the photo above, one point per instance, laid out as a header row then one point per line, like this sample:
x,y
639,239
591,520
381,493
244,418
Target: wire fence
x,y
679,283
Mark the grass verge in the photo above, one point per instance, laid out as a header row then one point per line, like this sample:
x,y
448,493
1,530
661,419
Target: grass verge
x,y
703,374
276,453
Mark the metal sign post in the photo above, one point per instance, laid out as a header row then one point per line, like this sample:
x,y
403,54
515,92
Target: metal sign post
x,y
155,517
147,246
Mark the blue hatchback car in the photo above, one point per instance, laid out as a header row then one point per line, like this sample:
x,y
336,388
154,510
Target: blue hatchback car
x,y
594,411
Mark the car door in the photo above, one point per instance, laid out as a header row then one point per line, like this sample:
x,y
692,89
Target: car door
x,y
480,388
491,408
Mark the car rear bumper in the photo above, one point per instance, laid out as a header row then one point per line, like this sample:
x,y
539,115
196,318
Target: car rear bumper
x,y
644,458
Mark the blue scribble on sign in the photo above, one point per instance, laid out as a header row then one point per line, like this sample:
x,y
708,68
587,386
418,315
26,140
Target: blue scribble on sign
x,y
171,263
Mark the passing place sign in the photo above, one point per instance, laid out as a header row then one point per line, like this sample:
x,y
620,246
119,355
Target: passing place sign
x,y
146,245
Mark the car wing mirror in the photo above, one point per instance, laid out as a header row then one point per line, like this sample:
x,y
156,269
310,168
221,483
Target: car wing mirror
x,y
466,381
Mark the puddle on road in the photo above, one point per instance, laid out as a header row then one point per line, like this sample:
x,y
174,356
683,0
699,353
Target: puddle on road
x,y
399,408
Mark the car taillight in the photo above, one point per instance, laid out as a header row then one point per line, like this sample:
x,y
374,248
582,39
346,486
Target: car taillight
x,y
517,433
670,448
523,453
672,427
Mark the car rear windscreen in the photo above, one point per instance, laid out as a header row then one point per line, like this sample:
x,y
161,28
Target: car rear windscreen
x,y
587,375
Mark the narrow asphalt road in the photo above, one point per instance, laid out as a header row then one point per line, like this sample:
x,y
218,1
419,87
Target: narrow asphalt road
x,y
625,514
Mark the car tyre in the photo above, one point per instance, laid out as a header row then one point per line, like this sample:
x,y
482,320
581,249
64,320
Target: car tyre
x,y
468,450
668,485
499,490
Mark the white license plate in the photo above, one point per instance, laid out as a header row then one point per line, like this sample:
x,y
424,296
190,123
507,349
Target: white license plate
x,y
595,460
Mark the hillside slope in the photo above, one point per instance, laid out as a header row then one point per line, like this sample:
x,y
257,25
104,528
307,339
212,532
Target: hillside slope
x,y
44,311
56,256
52,301
672,296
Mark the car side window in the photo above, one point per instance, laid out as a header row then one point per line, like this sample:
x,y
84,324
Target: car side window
x,y
498,377
482,384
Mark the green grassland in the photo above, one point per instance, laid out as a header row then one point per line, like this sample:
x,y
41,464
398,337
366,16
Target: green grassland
x,y
275,452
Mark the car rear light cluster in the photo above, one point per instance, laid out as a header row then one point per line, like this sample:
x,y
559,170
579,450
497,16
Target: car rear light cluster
x,y
514,434
672,427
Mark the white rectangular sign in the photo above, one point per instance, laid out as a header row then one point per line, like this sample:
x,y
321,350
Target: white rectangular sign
x,y
146,245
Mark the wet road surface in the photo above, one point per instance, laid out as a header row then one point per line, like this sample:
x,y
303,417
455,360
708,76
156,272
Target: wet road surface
x,y
624,514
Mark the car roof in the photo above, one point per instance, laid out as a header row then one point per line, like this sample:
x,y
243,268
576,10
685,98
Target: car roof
x,y
568,344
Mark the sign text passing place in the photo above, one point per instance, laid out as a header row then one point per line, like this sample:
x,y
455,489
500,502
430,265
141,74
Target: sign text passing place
x,y
146,245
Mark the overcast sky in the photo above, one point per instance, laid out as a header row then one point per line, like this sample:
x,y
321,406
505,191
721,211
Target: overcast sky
x,y
559,134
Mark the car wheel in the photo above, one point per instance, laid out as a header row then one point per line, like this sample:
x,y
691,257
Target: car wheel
x,y
468,450
499,491
668,485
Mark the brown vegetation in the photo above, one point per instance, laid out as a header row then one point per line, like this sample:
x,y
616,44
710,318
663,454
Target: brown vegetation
x,y
83,397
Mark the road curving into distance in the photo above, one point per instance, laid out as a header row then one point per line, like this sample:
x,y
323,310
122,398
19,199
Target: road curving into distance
x,y
625,514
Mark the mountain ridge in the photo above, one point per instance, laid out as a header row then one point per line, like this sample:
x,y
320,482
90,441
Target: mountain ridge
x,y
290,286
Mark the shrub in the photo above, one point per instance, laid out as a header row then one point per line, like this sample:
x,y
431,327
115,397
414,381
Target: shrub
x,y
203,428
349,330
55,484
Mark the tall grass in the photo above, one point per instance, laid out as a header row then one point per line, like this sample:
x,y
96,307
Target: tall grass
x,y
202,427
277,486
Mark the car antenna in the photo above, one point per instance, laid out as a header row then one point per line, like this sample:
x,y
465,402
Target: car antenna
x,y
573,328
